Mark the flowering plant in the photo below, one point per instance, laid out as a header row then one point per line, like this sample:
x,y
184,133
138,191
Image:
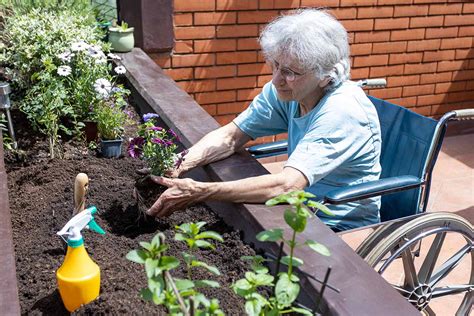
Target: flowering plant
x,y
156,145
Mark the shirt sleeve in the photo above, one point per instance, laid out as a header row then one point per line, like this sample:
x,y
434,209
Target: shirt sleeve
x,y
265,116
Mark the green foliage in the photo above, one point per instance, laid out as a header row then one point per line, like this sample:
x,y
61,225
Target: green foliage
x,y
25,6
7,141
286,288
164,290
111,119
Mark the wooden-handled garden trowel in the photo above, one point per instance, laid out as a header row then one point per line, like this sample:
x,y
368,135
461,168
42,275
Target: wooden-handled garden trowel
x,y
81,186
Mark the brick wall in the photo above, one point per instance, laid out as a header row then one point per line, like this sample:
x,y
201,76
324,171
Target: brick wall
x,y
423,47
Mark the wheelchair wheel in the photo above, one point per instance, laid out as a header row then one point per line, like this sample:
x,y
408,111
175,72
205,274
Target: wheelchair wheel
x,y
420,278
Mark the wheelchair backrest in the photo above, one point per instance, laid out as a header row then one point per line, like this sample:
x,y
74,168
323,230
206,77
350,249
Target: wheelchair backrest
x,y
406,140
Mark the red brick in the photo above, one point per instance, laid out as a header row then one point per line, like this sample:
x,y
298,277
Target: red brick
x,y
405,102
374,12
435,78
438,55
194,32
344,13
391,24
358,25
420,68
438,32
247,44
360,73
361,49
236,83
215,97
430,21
215,45
424,45
429,1
183,19
180,73
231,108
262,80
464,53
237,5
236,58
215,18
403,35
466,19
210,108
387,93
389,47
215,72
372,37
397,2
225,119
400,81
462,42
466,31
470,85
450,65
468,8
443,9
386,71
162,60
410,10
430,99
405,58
373,60
319,3
254,17
460,96
418,90
278,4
253,69
471,64
192,6
183,47
193,60
198,85
237,30
350,3
450,87
247,94
423,110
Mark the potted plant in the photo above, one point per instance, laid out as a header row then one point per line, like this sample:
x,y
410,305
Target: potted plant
x,y
121,38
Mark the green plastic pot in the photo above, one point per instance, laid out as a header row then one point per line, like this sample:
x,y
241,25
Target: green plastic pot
x,y
121,40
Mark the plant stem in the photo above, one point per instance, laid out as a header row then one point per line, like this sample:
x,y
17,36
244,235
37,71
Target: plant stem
x,y
176,292
292,248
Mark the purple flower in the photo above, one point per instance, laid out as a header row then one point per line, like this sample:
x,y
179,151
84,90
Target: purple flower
x,y
155,128
149,116
158,141
136,147
180,158
173,134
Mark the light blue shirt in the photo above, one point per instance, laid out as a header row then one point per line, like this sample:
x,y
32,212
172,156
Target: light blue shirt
x,y
336,144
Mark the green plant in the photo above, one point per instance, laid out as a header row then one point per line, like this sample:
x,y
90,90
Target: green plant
x,y
7,141
110,116
179,296
286,288
156,146
25,6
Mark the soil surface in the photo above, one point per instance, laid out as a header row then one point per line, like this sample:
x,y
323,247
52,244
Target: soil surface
x,y
41,202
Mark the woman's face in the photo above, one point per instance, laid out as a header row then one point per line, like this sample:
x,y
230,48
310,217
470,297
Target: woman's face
x,y
294,83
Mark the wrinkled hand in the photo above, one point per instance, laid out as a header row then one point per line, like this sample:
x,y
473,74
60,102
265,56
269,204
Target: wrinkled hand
x,y
180,193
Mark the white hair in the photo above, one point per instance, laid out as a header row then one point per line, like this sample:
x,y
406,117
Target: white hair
x,y
312,37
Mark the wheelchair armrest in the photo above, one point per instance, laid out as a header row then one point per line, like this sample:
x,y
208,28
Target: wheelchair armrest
x,y
373,188
269,149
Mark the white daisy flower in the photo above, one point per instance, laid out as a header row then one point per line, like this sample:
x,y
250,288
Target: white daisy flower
x,y
103,86
79,46
64,71
95,52
120,70
100,61
114,56
66,56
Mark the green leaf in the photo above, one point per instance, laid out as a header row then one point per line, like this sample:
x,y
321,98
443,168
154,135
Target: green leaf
x,y
150,267
204,265
297,223
146,294
185,228
168,262
210,235
200,225
270,235
204,244
183,284
138,256
155,242
296,262
320,207
206,283
146,245
319,248
242,287
303,311
263,279
180,237
286,291
254,304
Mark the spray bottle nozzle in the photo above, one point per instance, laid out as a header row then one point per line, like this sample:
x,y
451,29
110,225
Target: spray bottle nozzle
x,y
84,219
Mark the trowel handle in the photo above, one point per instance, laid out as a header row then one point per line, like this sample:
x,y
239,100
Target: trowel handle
x,y
81,185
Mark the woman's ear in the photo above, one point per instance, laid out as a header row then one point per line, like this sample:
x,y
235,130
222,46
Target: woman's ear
x,y
323,83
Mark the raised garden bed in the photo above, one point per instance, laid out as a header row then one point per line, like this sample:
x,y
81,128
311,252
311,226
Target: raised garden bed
x,y
362,291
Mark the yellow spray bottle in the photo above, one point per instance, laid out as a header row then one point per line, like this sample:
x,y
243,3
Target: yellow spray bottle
x,y
78,277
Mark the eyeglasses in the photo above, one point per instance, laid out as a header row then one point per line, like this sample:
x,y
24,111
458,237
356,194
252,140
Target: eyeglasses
x,y
286,73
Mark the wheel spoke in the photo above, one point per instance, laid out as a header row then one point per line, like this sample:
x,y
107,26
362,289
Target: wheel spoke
x,y
401,290
429,311
411,278
452,289
430,261
449,265
466,305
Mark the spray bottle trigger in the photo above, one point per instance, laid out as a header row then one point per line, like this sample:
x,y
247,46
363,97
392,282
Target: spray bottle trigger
x,y
95,227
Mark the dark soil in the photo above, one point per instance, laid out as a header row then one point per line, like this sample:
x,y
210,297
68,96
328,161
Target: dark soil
x,y
41,202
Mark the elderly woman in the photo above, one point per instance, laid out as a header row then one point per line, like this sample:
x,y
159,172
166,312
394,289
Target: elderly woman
x,y
333,130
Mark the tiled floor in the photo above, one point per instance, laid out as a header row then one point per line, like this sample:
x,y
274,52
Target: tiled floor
x,y
452,191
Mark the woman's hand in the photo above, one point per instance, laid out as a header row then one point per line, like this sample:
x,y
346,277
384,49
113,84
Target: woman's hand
x,y
180,193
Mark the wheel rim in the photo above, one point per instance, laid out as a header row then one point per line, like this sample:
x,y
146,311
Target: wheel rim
x,y
422,285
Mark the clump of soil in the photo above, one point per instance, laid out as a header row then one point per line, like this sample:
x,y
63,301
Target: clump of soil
x,y
41,202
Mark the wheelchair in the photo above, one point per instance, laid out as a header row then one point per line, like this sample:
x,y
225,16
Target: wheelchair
x,y
410,147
